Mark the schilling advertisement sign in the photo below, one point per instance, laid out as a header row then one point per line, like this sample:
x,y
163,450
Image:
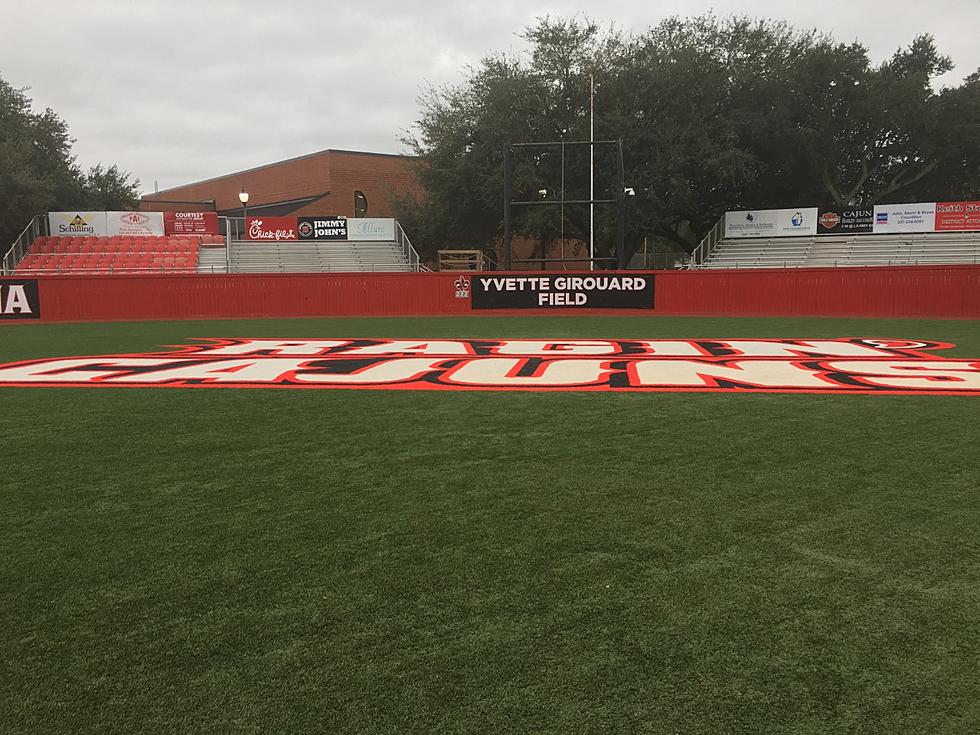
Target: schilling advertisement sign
x,y
77,224
565,291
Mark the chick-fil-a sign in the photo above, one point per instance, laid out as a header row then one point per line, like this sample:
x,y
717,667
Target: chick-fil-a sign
x,y
270,228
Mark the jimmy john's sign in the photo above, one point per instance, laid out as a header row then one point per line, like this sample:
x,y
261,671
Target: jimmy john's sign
x,y
564,291
19,300
844,366
322,228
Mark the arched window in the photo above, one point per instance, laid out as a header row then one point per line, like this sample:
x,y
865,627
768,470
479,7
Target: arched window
x,y
360,204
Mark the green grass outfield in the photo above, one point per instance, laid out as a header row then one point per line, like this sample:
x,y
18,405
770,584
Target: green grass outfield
x,y
278,561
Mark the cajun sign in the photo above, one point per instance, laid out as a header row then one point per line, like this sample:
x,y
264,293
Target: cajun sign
x,y
846,365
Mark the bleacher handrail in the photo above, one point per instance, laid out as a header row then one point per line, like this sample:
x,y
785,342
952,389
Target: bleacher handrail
x,y
708,243
37,227
411,255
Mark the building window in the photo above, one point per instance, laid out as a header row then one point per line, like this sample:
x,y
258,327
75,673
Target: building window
x,y
360,204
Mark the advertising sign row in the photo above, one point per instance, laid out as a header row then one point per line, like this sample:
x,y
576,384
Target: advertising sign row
x,y
771,223
879,219
102,224
279,229
108,224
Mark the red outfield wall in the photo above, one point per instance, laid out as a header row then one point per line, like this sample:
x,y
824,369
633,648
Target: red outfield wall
x,y
915,291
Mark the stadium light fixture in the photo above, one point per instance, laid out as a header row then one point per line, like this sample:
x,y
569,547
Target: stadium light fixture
x,y
543,192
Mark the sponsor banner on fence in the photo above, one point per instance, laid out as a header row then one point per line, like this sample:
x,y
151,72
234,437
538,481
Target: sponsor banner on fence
x,y
322,228
845,221
190,223
19,300
371,228
274,229
771,223
565,291
846,366
920,217
957,216
134,223
77,224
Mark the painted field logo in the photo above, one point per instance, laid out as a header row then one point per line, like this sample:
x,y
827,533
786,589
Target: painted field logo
x,y
862,366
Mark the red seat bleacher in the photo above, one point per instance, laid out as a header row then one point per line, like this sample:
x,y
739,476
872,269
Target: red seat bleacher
x,y
114,254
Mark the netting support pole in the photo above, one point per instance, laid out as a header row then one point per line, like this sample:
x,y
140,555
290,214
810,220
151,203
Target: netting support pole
x,y
507,197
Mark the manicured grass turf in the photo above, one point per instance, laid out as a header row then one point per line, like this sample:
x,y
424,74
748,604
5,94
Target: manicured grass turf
x,y
215,561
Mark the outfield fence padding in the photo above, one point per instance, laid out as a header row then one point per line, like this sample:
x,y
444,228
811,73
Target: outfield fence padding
x,y
912,291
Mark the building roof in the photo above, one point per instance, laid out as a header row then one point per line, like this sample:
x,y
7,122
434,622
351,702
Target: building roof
x,y
325,151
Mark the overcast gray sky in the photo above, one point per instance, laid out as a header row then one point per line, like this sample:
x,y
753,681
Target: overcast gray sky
x,y
177,91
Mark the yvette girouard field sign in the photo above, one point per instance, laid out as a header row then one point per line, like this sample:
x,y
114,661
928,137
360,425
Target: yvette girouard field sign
x,y
563,291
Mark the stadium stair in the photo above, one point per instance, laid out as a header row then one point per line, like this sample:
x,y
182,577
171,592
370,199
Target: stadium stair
x,y
317,257
212,258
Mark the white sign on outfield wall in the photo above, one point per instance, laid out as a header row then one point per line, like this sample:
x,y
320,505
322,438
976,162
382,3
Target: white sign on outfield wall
x,y
920,217
771,223
370,228
76,224
134,223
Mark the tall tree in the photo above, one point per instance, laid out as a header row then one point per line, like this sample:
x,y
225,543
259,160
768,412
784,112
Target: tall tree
x,y
714,113
108,189
871,134
39,172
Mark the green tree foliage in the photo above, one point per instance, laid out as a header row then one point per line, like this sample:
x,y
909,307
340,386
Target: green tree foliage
x,y
714,114
108,189
38,172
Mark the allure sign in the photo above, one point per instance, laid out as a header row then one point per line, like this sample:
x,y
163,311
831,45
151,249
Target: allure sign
x,y
275,229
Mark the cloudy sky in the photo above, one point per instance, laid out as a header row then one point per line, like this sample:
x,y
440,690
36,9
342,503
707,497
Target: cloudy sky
x,y
177,91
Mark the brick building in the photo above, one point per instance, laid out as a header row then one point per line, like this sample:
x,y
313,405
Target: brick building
x,y
350,183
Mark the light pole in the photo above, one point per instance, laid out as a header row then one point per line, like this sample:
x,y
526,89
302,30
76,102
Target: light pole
x,y
243,198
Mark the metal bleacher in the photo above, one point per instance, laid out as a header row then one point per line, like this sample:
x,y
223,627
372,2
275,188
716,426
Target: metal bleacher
x,y
317,256
35,253
846,250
